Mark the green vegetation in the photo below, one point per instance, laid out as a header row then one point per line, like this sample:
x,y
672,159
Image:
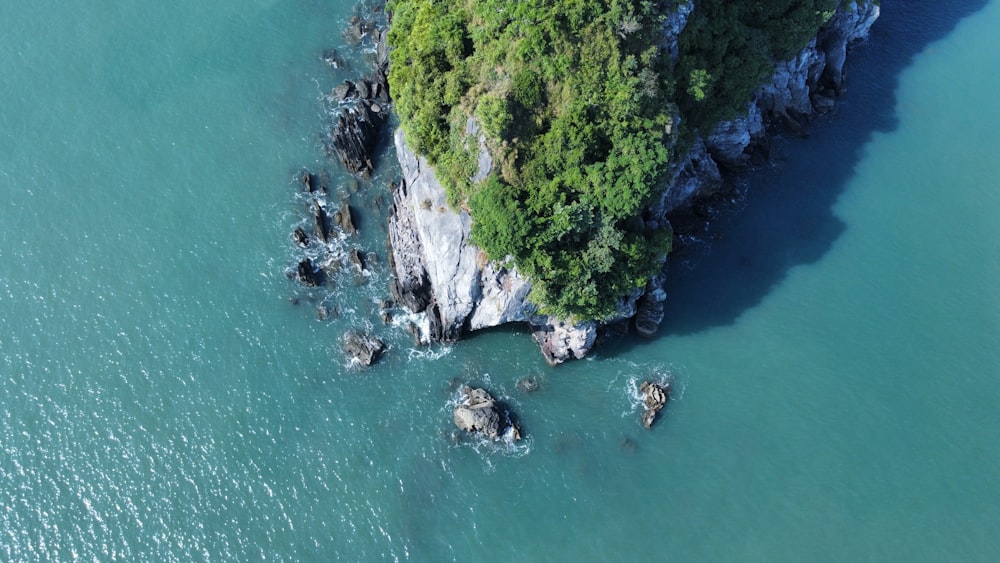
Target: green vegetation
x,y
728,49
577,100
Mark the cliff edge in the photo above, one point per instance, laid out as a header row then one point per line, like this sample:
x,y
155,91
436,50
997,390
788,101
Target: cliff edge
x,y
438,271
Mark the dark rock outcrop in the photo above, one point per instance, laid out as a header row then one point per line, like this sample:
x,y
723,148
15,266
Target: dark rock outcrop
x,y
655,397
355,132
479,413
321,224
309,274
344,219
649,312
300,236
362,348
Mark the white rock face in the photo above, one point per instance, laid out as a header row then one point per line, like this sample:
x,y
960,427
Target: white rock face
x,y
465,292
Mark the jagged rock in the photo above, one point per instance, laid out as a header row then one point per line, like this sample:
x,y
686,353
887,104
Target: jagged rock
x,y
308,273
363,348
729,142
356,130
560,341
381,46
308,182
353,138
410,285
301,238
655,398
344,219
355,30
364,89
343,91
358,265
478,413
320,221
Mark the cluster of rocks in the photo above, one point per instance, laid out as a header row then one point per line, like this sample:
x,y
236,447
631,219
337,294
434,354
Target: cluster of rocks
x,y
322,258
479,413
360,108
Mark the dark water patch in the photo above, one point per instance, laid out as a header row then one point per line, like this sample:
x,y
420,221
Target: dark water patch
x,y
788,218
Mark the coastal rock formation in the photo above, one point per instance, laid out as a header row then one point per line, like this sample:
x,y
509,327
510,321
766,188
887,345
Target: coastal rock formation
x,y
799,87
479,413
356,130
655,397
362,348
439,271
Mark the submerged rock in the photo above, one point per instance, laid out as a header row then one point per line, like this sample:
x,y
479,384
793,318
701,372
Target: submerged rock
x,y
528,384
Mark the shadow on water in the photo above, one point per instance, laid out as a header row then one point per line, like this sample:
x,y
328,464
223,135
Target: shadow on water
x,y
788,218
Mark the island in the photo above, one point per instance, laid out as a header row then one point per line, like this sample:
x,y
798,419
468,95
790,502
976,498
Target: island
x,y
545,144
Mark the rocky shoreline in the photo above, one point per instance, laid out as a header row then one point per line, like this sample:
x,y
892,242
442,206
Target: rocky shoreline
x,y
439,272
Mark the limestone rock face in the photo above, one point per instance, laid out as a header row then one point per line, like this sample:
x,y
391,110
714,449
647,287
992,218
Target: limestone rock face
x,y
799,87
437,269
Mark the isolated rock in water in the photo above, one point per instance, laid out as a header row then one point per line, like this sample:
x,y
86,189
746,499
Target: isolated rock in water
x,y
301,238
308,273
331,59
479,413
363,348
655,398
308,182
355,132
344,218
320,223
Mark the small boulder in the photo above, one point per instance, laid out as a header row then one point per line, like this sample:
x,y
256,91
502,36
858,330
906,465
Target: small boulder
x,y
345,219
308,273
301,238
363,348
655,397
320,221
479,413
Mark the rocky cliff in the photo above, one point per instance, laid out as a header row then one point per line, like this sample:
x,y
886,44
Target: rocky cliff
x,y
440,272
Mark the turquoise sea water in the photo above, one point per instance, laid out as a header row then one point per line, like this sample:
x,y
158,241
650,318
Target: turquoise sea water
x,y
835,345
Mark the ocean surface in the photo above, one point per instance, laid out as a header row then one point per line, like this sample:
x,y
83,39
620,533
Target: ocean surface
x,y
834,341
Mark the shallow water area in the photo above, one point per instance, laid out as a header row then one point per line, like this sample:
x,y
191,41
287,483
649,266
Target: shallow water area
x,y
833,351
